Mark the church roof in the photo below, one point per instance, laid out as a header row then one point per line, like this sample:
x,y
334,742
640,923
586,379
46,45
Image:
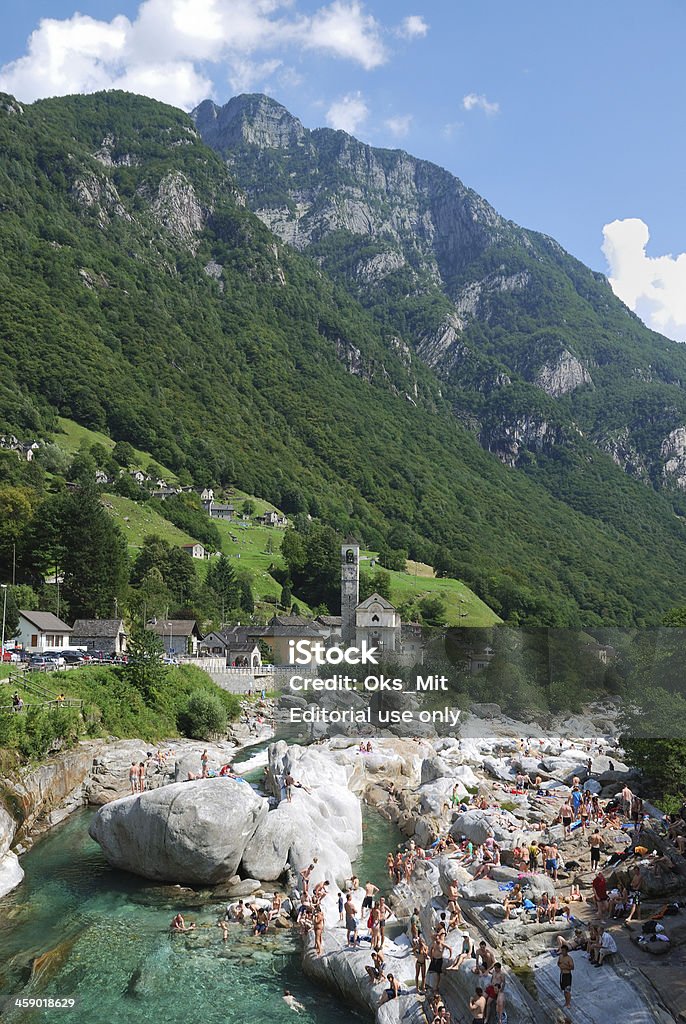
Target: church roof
x,y
351,540
376,599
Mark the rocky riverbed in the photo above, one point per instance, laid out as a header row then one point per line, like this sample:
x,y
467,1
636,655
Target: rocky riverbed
x,y
441,793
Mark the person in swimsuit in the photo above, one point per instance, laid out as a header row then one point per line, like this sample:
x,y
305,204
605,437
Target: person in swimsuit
x,y
133,777
369,890
204,761
392,992
477,1006
292,1002
485,959
595,842
421,952
436,958
179,925
375,972
463,955
351,921
318,924
566,965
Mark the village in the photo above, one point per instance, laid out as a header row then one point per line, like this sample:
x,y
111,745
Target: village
x,y
45,642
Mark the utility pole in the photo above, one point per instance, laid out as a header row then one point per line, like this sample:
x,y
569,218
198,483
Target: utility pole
x,y
4,615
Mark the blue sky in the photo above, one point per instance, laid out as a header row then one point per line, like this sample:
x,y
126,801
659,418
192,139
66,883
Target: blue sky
x,y
566,116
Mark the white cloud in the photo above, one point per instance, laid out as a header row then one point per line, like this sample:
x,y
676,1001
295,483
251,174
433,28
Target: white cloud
x,y
477,101
167,51
348,113
399,126
653,287
346,31
245,72
449,129
412,27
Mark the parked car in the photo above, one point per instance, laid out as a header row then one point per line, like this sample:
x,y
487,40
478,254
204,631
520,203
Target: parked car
x,y
11,656
40,664
57,657
168,659
73,658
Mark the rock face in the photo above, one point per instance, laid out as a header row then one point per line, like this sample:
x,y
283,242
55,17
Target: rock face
x,y
673,454
11,873
191,832
562,375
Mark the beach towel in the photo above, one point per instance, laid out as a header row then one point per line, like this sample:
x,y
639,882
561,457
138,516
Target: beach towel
x,y
506,886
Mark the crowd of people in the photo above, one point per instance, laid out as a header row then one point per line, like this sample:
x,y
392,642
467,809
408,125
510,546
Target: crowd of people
x,y
585,841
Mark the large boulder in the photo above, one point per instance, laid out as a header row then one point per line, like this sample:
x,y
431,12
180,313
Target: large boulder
x,y
266,854
433,768
11,873
483,890
188,832
475,825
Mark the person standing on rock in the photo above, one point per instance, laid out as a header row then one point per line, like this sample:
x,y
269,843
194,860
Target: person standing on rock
x,y
369,890
533,856
421,952
141,777
318,924
204,761
436,959
566,965
566,816
595,842
305,875
351,921
599,886
384,914
133,777
627,797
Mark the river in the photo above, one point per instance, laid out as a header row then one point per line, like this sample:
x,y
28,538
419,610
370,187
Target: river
x,y
108,945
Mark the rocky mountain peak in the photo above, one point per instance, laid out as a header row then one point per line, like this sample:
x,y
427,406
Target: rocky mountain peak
x,y
254,119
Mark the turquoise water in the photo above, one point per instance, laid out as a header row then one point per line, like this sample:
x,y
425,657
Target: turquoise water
x,y
107,936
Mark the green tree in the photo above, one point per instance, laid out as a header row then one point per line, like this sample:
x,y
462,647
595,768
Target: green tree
x,y
286,597
144,668
247,600
91,552
203,717
16,511
222,578
151,597
433,609
123,454
248,507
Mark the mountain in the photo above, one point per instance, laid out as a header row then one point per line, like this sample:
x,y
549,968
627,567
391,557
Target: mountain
x,y
140,296
535,352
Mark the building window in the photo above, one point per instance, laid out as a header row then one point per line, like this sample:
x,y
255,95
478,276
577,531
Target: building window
x,y
34,640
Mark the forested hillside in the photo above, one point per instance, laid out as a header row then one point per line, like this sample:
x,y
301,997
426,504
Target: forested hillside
x,y
142,298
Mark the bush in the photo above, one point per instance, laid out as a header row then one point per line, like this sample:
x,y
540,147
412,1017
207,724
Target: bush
x,y
203,716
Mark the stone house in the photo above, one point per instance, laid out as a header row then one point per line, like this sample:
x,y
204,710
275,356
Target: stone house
x,y
179,636
106,635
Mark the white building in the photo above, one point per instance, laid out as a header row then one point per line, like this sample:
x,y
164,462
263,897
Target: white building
x,y
42,631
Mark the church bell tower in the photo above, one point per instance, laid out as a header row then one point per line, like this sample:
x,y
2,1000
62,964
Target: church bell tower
x,y
350,590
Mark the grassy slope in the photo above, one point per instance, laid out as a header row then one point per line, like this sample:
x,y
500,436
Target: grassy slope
x,y
251,542
71,436
137,521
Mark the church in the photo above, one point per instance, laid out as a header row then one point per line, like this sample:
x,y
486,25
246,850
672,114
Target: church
x,y
374,620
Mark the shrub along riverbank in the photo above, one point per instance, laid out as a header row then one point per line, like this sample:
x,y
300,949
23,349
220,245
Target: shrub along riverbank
x,y
182,701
